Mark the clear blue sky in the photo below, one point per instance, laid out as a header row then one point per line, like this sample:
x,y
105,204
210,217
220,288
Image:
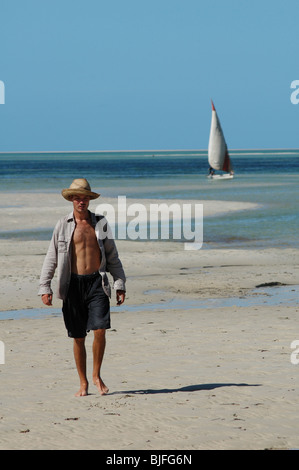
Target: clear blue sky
x,y
139,74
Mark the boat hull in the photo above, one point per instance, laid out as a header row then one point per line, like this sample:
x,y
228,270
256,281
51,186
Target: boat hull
x,y
220,177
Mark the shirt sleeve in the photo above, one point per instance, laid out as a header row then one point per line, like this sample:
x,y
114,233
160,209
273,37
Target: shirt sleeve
x,y
49,265
113,264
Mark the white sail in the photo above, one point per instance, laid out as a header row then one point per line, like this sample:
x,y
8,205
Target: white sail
x,y
217,151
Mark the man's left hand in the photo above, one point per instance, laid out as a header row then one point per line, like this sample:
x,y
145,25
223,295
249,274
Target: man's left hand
x,y
120,296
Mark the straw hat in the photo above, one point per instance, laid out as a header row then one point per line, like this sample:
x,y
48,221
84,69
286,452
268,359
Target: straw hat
x,y
79,186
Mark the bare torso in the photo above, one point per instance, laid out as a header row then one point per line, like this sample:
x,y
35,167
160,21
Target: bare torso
x,y
86,257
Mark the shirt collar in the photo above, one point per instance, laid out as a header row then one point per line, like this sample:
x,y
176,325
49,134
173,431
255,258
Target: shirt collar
x,y
71,218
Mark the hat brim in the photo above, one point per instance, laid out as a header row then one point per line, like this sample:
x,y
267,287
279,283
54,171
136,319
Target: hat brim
x,y
68,193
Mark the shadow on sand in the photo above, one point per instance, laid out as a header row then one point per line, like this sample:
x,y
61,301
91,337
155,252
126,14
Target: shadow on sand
x,y
188,388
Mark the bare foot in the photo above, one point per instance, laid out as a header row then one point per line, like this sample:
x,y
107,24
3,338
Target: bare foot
x,y
101,386
83,391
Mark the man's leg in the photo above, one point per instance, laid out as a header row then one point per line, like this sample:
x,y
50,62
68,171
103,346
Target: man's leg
x,y
80,359
98,349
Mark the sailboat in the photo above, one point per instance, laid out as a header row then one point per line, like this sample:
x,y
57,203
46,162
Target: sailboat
x,y
218,156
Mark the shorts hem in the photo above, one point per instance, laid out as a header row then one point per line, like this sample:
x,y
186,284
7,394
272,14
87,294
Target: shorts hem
x,y
74,335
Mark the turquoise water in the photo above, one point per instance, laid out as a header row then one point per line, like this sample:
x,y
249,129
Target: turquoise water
x,y
266,177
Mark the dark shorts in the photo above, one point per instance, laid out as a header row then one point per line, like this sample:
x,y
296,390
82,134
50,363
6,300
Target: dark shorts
x,y
86,307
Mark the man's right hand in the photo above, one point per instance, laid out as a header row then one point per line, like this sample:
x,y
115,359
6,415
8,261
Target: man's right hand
x,y
47,299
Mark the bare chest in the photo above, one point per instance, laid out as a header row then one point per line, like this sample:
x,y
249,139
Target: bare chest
x,y
84,234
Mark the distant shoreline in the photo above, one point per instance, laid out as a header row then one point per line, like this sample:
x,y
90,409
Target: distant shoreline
x,y
278,150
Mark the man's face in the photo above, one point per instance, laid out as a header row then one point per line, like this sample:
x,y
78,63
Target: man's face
x,y
80,203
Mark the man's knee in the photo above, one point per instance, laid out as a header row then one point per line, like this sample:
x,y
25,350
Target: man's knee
x,y
100,333
79,341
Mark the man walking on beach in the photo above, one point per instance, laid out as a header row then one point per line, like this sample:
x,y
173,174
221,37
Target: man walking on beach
x,y
82,252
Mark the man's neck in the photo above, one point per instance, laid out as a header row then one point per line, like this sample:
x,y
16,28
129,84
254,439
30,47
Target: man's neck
x,y
81,216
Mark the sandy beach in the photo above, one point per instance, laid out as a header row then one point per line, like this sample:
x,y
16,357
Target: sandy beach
x,y
186,369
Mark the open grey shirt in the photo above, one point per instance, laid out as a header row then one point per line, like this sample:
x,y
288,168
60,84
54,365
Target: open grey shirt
x,y
60,252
